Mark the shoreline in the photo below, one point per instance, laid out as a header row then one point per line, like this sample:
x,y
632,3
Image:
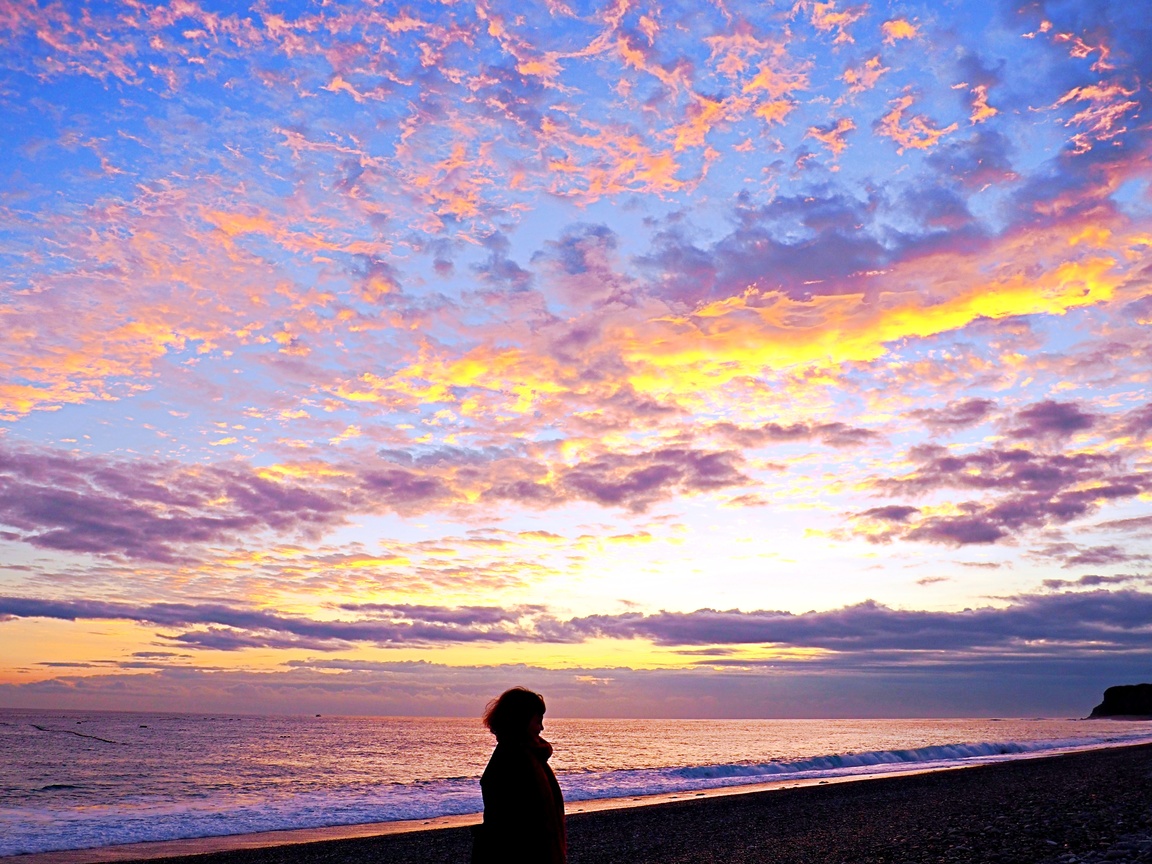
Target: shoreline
x,y
306,844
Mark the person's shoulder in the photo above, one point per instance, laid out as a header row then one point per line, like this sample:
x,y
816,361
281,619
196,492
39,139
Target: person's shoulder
x,y
510,756
513,752
507,761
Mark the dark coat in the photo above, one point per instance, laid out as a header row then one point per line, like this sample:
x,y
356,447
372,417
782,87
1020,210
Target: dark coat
x,y
523,808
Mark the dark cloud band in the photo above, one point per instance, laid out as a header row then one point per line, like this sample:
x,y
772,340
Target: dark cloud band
x,y
1092,621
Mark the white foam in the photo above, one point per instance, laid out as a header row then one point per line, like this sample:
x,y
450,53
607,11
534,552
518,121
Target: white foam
x,y
615,784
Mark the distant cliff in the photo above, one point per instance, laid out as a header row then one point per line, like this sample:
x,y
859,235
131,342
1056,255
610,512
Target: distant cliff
x,y
1127,700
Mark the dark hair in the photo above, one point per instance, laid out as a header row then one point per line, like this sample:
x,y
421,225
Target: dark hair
x,y
507,715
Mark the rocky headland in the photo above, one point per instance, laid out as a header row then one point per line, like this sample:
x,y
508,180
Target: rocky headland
x,y
1126,700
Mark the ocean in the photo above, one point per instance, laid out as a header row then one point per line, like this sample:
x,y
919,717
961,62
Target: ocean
x,y
75,780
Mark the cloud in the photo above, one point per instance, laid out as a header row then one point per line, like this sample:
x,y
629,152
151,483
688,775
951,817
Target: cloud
x,y
1050,419
1072,555
831,247
230,628
1139,524
459,616
1023,489
897,29
1138,422
827,18
865,76
891,513
1101,111
915,132
981,110
165,512
150,512
1044,654
833,434
1093,621
637,481
406,489
832,135
971,688
583,266
959,414
1115,620
977,162
499,269
1093,580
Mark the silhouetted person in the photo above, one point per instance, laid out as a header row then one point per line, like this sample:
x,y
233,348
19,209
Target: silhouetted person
x,y
523,807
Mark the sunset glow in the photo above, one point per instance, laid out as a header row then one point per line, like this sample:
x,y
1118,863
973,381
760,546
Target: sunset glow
x,y
760,358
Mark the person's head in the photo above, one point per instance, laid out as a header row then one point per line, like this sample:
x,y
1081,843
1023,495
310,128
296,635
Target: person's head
x,y
514,714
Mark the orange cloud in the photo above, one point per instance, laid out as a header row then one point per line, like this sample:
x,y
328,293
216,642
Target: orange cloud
x,y
601,160
703,114
529,61
76,49
310,237
162,274
339,85
685,356
833,137
774,112
897,29
689,358
735,50
1106,108
826,18
915,132
638,57
864,77
776,78
1079,49
981,110
500,380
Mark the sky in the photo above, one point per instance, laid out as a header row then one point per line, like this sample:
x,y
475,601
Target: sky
x,y
684,359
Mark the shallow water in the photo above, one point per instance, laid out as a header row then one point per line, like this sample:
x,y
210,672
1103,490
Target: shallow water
x,y
72,780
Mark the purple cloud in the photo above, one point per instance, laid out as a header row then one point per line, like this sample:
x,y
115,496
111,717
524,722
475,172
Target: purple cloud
x,y
229,628
403,489
638,480
1116,619
1138,422
1062,685
459,616
891,513
834,434
149,511
958,530
975,162
835,240
499,270
1136,524
1022,490
1072,555
1051,419
1093,580
955,415
1102,620
165,512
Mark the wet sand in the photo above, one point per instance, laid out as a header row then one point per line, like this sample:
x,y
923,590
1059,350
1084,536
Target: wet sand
x,y
1091,806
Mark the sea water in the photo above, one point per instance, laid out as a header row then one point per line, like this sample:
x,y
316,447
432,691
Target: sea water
x,y
73,780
